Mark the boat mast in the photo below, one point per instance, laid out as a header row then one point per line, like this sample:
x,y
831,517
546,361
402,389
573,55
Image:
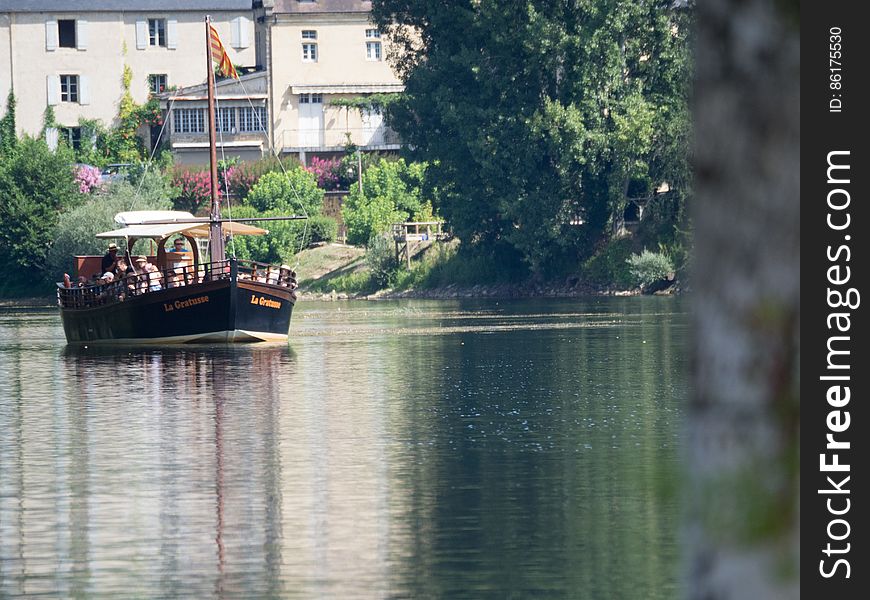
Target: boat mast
x,y
215,233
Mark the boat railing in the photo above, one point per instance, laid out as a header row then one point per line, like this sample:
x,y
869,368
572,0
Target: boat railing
x,y
138,284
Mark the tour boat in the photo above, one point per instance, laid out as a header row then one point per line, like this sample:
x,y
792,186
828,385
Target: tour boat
x,y
177,297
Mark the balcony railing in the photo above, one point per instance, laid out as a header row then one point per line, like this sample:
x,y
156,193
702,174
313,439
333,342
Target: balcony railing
x,y
335,138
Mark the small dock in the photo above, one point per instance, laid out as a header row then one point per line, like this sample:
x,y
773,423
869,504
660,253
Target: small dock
x,y
416,232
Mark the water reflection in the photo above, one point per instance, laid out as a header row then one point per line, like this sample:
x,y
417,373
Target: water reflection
x,y
414,449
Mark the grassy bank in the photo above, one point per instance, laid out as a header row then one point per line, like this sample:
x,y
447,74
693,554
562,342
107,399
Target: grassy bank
x,y
440,270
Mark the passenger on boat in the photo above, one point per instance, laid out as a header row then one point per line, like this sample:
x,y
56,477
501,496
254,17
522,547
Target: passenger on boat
x,y
142,271
174,279
154,278
110,259
178,245
107,277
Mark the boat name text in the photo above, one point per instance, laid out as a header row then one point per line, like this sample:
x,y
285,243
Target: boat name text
x,y
179,304
263,301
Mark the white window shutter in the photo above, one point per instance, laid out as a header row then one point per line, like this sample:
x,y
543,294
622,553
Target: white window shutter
x,y
81,34
235,33
52,83
172,34
141,35
51,138
84,90
51,35
244,37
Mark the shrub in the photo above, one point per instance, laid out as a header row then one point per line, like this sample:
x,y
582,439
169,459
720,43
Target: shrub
x,y
322,229
239,180
284,239
76,229
293,192
609,267
326,171
392,193
381,260
35,185
193,189
87,178
649,267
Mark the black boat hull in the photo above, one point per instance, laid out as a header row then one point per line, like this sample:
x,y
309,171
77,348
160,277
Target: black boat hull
x,y
216,311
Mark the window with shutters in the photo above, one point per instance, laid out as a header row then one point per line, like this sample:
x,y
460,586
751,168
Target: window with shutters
x,y
72,136
309,52
373,51
157,32
66,33
156,84
69,88
309,47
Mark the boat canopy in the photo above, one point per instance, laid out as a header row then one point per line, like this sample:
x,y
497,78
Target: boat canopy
x,y
162,223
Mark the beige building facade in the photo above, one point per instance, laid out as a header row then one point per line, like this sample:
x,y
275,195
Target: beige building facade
x,y
318,51
72,55
306,54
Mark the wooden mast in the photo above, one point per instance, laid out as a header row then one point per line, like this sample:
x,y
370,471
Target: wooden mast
x,y
215,233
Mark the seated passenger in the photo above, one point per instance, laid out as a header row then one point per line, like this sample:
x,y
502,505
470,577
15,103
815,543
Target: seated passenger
x,y
154,278
110,259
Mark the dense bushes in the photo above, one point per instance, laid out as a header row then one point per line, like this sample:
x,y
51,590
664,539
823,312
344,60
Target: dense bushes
x,y
295,191
608,266
36,184
322,229
392,193
649,267
77,228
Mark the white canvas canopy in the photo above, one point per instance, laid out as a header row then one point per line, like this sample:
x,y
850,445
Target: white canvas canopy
x,y
161,223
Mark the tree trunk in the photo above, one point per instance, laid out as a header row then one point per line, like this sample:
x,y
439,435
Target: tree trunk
x,y
743,517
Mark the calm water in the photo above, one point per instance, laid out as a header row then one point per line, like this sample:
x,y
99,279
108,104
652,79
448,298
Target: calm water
x,y
408,449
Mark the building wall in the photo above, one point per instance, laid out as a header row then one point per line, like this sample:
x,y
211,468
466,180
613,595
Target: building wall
x,y
5,65
341,44
111,43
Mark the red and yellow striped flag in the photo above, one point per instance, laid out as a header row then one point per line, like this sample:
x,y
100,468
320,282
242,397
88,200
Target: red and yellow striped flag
x,y
220,57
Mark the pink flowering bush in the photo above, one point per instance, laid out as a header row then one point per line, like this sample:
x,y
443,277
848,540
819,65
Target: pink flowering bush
x,y
87,178
194,190
326,171
239,180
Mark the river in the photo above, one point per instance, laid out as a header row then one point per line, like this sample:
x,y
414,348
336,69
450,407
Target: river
x,y
393,449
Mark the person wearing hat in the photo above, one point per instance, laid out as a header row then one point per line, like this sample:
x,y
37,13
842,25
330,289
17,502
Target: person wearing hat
x,y
141,263
110,260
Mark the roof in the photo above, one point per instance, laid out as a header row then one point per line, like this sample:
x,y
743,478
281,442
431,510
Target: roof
x,y
31,6
138,225
322,6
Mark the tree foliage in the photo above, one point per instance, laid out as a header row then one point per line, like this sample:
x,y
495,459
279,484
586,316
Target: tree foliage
x,y
76,229
35,185
292,192
535,114
8,129
392,193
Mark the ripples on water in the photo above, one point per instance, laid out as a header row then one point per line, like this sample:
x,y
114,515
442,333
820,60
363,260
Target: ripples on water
x,y
408,449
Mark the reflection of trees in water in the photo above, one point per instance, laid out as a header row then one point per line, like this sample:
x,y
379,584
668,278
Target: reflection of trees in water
x,y
524,490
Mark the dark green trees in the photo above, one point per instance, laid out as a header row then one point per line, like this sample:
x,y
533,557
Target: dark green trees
x,y
35,185
536,115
